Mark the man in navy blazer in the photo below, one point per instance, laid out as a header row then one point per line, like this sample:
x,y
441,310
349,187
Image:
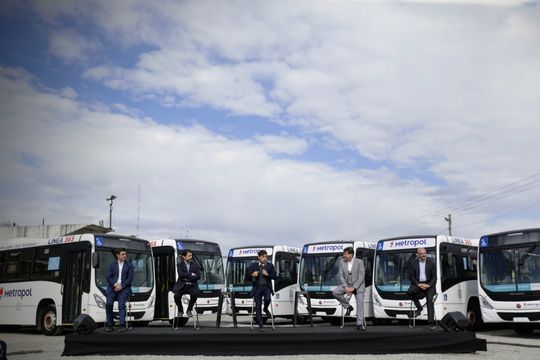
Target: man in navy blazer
x,y
188,275
119,278
423,276
261,273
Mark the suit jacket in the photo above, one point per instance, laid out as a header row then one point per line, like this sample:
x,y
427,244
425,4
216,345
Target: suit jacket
x,y
357,272
112,276
431,272
254,266
185,276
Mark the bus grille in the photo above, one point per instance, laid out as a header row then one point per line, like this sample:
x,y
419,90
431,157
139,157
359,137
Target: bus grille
x,y
509,316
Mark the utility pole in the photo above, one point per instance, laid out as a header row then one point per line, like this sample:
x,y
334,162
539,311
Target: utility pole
x,y
449,220
111,199
138,208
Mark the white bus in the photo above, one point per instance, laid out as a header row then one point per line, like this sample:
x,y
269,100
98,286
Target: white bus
x,y
319,275
456,287
285,260
509,282
167,253
49,282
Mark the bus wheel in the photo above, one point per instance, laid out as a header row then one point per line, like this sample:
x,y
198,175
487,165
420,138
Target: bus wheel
x,y
474,315
524,329
48,321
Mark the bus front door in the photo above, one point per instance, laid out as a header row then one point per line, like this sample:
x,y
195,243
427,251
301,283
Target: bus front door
x,y
165,277
76,281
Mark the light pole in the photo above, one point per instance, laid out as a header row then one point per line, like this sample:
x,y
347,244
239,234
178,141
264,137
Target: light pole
x,y
449,220
111,199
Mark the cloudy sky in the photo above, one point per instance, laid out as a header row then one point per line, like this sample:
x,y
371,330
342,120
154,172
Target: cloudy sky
x,y
248,122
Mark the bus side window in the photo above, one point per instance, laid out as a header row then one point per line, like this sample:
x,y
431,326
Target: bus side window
x,y
19,265
47,263
285,270
2,265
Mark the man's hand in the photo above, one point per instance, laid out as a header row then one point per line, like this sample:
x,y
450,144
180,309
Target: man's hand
x,y
423,286
265,273
349,290
255,274
117,287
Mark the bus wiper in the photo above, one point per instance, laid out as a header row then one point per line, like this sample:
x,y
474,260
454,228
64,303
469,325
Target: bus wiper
x,y
526,255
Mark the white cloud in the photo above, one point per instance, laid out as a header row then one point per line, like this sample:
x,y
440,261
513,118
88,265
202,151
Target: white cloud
x,y
61,158
406,83
70,46
277,144
445,90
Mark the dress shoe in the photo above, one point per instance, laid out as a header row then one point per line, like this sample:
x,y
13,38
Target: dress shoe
x,y
189,313
122,329
108,328
419,310
361,328
267,313
433,327
349,309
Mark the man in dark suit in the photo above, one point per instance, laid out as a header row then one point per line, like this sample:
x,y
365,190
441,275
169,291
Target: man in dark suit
x,y
188,275
423,276
261,273
119,278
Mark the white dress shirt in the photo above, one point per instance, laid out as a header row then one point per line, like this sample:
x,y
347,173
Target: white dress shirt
x,y
422,276
120,266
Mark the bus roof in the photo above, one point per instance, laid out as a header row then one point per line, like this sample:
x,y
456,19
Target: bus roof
x,y
511,232
22,243
330,242
417,241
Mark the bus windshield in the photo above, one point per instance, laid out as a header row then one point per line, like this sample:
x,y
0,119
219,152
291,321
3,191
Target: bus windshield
x,y
511,269
392,269
211,270
236,273
143,276
319,272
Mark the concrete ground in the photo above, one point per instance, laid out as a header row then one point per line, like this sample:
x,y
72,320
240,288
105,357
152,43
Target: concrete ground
x,y
503,344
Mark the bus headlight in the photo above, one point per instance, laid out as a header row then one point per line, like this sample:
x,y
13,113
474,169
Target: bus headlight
x,y
99,301
376,301
485,303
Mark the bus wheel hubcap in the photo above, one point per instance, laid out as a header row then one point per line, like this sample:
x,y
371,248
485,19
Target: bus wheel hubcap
x,y
49,320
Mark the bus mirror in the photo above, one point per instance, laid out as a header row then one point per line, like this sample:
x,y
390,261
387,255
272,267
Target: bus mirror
x,y
95,260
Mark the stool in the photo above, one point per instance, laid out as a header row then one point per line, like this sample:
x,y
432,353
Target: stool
x,y
230,295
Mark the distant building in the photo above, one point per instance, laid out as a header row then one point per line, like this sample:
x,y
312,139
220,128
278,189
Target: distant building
x,y
49,231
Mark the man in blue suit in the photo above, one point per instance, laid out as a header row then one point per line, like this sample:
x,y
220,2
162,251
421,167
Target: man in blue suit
x,y
188,275
261,273
119,278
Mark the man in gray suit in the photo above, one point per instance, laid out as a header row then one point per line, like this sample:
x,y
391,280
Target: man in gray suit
x,y
351,279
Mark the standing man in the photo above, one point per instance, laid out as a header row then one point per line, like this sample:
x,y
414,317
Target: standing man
x,y
261,273
423,278
188,275
119,278
351,282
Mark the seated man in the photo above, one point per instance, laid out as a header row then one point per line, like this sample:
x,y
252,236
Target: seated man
x,y
351,282
423,278
119,278
261,273
188,275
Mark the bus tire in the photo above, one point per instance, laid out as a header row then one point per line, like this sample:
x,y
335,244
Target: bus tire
x,y
523,329
47,321
474,314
